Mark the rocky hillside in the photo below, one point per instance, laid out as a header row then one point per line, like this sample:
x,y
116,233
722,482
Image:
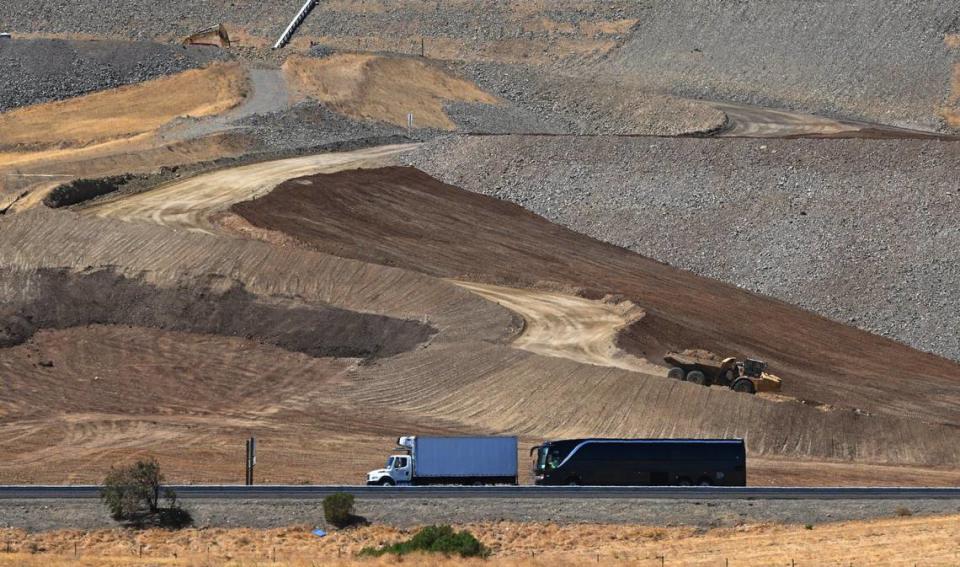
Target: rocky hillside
x,y
860,231
41,70
887,61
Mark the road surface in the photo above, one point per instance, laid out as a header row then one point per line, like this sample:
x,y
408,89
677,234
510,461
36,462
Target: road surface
x,y
282,492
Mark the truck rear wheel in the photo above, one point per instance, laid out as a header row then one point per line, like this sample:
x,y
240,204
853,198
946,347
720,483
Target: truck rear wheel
x,y
698,377
675,373
744,386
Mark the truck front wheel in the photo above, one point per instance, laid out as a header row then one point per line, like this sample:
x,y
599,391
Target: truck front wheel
x,y
387,481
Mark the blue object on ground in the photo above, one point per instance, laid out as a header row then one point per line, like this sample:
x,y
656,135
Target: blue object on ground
x,y
319,533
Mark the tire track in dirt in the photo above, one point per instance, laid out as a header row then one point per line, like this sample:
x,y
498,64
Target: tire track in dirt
x,y
566,326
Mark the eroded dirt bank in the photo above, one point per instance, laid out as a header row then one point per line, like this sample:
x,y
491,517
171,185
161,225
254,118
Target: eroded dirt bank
x,y
60,299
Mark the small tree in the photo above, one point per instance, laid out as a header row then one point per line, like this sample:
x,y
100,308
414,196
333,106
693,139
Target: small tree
x,y
338,510
132,494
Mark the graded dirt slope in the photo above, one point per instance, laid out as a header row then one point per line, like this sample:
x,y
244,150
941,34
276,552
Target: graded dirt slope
x,y
382,88
123,112
860,231
402,217
328,425
183,370
190,203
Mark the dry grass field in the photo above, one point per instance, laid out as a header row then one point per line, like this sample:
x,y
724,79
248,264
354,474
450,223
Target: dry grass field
x,y
901,541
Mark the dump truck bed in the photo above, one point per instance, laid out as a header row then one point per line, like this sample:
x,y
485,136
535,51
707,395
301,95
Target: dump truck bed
x,y
687,362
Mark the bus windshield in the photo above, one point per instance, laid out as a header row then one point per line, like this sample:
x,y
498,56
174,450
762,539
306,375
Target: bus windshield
x,y
548,458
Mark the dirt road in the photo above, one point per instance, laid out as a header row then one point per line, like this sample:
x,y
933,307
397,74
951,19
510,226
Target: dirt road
x,y
188,204
567,326
745,121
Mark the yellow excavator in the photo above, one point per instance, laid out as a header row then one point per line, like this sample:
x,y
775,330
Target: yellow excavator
x,y
748,376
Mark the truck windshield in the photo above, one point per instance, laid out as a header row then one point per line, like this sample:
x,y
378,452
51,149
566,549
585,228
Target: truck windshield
x,y
389,463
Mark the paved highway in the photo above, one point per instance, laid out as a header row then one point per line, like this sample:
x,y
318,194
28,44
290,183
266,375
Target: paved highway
x,y
302,492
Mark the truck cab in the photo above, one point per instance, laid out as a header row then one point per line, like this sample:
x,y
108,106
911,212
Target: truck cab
x,y
398,471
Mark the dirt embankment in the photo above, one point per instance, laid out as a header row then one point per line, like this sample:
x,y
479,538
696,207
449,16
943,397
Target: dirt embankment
x,y
380,88
403,217
44,70
60,299
122,113
859,231
469,379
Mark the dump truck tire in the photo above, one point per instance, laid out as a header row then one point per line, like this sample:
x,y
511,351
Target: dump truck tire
x,y
675,373
698,377
745,386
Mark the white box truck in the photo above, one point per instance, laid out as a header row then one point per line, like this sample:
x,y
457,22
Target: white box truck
x,y
450,460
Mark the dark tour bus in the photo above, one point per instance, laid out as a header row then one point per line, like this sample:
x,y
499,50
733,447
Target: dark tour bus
x,y
641,462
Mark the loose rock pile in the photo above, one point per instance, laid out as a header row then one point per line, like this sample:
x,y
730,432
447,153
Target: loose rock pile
x,y
42,70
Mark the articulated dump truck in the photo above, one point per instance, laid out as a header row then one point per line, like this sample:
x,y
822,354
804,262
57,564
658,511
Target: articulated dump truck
x,y
748,376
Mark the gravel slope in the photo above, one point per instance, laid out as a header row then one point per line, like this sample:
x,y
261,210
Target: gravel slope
x,y
860,231
42,70
881,60
43,515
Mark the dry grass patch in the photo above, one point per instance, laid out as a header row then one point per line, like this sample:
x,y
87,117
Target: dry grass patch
x,y
124,112
894,541
951,112
382,88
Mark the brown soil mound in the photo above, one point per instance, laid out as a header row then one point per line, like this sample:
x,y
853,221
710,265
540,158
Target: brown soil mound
x,y
123,112
403,217
382,88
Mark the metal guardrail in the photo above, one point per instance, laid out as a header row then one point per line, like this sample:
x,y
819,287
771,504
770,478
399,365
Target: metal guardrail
x,y
295,23
308,492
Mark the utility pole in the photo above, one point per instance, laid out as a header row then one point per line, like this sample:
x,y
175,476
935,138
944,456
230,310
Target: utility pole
x,y
251,460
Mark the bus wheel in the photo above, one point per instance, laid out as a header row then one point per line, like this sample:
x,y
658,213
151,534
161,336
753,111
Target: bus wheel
x,y
704,482
573,482
684,482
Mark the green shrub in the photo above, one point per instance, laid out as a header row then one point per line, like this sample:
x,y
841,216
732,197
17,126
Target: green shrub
x,y
338,509
434,539
133,493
